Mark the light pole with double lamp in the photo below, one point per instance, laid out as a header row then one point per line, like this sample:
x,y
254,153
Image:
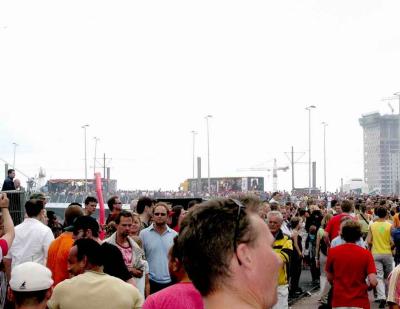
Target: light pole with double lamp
x,y
15,150
309,108
208,153
194,133
96,139
84,130
325,125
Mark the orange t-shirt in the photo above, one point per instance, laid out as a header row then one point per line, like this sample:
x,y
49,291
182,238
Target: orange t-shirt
x,y
57,257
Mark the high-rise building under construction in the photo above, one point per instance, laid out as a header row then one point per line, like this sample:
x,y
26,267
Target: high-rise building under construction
x,y
381,152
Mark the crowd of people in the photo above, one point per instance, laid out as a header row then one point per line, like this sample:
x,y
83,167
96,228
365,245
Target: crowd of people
x,y
232,252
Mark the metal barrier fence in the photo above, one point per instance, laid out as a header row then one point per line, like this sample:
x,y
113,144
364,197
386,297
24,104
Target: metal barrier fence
x,y
17,205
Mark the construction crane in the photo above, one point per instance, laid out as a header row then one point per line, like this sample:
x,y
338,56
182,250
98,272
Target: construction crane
x,y
391,108
396,97
274,170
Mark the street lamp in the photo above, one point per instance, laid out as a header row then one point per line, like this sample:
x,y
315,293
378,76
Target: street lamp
x,y
325,125
96,139
84,129
194,133
15,148
208,153
309,108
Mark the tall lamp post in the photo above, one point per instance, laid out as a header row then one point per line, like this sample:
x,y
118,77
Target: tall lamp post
x,y
15,150
397,94
325,125
208,153
96,139
84,130
309,108
194,133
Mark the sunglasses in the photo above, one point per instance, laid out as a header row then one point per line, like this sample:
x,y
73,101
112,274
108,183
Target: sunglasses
x,y
237,222
162,214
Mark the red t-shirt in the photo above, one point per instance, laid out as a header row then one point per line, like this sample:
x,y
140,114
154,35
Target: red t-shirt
x,y
350,265
333,227
4,248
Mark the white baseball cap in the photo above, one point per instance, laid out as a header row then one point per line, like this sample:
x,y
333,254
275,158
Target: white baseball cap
x,y
30,277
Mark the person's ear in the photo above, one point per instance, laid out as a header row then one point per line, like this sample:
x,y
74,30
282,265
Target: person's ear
x,y
244,255
84,262
49,292
176,265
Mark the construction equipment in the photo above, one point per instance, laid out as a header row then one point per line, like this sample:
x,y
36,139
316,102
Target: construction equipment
x,y
274,170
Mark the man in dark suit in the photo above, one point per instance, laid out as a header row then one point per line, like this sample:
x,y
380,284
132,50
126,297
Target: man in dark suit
x,y
8,184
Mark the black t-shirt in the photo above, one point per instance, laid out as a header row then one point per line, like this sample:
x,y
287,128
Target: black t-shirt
x,y
113,262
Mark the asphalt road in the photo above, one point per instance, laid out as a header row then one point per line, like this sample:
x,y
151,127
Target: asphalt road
x,y
311,300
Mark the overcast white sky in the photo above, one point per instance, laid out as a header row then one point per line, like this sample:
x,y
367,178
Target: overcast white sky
x,y
143,74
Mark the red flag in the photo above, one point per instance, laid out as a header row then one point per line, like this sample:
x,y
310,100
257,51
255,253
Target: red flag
x,y
102,214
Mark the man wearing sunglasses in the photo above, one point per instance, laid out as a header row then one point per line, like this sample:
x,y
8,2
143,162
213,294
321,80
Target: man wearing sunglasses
x,y
157,239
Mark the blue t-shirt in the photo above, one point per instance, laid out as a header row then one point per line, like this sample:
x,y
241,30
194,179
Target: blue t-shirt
x,y
156,249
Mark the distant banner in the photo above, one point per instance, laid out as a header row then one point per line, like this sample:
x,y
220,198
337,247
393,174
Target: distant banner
x,y
101,204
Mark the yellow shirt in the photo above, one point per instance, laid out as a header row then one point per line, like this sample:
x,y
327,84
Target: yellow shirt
x,y
283,247
381,237
94,290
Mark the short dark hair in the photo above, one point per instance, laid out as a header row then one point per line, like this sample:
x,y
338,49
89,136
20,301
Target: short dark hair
x,y
111,202
91,249
10,171
34,207
207,263
142,203
351,231
86,223
346,205
90,199
125,214
381,212
176,212
75,204
274,206
29,298
294,222
51,215
275,193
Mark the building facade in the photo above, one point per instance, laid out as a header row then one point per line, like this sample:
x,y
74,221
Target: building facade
x,y
381,152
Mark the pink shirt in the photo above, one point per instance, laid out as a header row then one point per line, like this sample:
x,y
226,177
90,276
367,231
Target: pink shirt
x,y
126,254
177,296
